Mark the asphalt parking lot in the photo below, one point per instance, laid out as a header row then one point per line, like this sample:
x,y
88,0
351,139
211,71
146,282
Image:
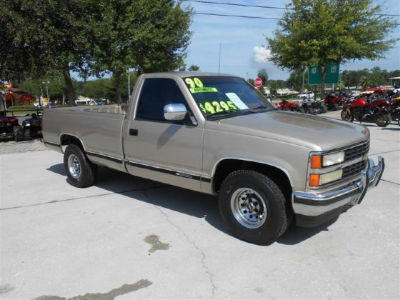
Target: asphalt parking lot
x,y
130,238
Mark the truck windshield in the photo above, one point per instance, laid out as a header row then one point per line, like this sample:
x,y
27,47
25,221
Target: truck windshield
x,y
224,96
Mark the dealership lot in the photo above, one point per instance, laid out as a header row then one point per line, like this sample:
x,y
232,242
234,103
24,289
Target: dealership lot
x,y
128,237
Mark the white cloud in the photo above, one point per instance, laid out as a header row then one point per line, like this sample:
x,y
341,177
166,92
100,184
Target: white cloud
x,y
261,54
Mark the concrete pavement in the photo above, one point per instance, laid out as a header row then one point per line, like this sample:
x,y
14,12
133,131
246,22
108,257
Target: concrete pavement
x,y
130,238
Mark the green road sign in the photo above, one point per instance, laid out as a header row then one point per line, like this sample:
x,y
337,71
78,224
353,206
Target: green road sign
x,y
331,75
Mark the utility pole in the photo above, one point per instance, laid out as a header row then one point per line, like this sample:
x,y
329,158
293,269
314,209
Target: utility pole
x,y
304,73
219,59
129,86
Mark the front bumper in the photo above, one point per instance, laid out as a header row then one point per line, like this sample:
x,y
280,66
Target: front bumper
x,y
312,209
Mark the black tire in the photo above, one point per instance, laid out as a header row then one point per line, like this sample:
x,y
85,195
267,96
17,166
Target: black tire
x,y
87,170
382,119
276,219
18,133
335,107
323,108
346,115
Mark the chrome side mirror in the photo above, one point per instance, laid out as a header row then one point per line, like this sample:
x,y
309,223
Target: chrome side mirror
x,y
175,112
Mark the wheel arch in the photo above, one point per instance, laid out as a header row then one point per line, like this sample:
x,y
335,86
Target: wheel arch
x,y
67,139
276,173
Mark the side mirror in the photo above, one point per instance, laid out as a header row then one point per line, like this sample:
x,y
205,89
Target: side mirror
x,y
175,112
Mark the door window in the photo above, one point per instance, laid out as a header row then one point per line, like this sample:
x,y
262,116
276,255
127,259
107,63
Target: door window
x,y
155,94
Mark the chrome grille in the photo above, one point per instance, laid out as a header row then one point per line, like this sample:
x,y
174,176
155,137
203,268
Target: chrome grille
x,y
356,151
354,169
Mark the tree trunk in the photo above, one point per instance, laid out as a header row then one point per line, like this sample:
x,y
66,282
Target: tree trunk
x,y
322,71
68,86
117,82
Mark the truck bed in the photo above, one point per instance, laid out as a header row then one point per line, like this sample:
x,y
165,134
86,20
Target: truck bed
x,y
98,127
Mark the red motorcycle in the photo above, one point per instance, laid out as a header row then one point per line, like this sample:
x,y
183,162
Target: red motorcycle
x,y
374,111
333,103
287,105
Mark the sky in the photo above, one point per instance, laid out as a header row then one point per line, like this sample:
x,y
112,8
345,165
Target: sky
x,y
243,41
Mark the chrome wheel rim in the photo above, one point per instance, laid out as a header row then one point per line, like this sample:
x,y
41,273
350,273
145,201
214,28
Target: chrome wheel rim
x,y
74,166
248,208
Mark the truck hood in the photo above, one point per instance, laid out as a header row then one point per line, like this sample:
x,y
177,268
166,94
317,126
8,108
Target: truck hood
x,y
316,133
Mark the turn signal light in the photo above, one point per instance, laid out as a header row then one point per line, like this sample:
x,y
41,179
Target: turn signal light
x,y
314,180
316,162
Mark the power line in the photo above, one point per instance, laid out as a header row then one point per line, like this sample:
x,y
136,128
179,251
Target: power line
x,y
245,17
236,4
262,6
236,16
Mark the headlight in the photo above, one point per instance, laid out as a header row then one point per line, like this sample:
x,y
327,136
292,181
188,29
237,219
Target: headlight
x,y
333,159
320,179
28,124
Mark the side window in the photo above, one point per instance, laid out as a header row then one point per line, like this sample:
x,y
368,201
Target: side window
x,y
155,94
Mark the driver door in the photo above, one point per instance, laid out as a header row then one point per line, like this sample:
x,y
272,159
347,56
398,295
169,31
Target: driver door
x,y
162,150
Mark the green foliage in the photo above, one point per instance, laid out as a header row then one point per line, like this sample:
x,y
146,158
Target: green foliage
x,y
22,107
147,36
251,81
263,75
104,88
367,78
90,37
194,68
316,32
45,35
54,83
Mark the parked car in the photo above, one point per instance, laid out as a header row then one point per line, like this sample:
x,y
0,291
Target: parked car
x,y
217,135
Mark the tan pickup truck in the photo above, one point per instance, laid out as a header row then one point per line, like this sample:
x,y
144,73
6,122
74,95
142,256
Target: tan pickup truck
x,y
216,134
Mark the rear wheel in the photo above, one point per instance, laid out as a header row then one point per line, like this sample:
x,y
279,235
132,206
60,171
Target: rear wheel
x,y
80,171
382,120
253,207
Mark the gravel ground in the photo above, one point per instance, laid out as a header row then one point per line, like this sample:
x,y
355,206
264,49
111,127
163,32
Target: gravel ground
x,y
8,147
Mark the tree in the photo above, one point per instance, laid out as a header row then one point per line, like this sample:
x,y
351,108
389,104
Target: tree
x,y
147,36
263,75
295,80
53,82
320,31
194,68
47,35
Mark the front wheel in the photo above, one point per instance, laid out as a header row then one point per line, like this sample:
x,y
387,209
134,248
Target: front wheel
x,y
253,207
382,120
80,171
346,115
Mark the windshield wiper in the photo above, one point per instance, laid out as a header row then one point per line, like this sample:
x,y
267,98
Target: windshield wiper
x,y
221,114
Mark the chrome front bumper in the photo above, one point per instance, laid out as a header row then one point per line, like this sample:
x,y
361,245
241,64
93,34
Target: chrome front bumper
x,y
313,208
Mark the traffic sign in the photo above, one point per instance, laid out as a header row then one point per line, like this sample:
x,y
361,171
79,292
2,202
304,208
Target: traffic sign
x,y
258,82
331,74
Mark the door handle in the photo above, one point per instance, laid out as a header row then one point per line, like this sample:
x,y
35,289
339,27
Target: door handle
x,y
134,132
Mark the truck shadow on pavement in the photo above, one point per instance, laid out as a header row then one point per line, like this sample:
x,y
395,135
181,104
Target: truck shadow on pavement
x,y
181,200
